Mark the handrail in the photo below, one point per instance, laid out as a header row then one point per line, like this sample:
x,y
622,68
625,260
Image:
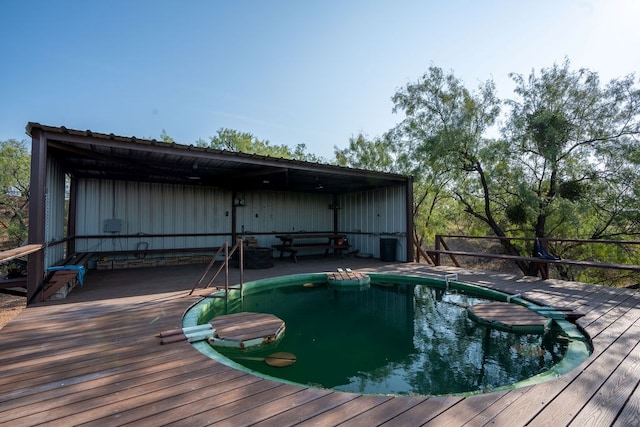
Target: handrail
x,y
540,261
18,252
546,239
225,264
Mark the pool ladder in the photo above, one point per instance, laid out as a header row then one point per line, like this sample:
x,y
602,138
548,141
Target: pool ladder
x,y
225,265
448,278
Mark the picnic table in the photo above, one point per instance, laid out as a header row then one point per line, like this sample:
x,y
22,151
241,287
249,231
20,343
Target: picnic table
x,y
293,243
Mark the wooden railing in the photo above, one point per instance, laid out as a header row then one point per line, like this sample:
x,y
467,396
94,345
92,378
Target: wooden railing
x,y
442,248
12,254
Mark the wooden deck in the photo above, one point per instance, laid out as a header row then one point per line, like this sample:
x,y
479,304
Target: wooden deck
x,y
95,359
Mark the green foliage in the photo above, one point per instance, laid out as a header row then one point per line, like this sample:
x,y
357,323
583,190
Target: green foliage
x,y
446,124
566,164
164,137
572,190
14,192
549,130
573,137
516,213
377,154
245,142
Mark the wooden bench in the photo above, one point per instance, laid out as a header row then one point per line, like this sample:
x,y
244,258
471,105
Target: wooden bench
x,y
79,258
60,277
542,263
57,281
308,247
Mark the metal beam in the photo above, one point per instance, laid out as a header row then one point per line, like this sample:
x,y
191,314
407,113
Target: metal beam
x,y
37,213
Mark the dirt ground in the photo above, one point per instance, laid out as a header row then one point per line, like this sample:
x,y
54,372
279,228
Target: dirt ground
x,y
10,307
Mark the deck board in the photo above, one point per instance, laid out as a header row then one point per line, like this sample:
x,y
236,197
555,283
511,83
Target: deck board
x,y
528,404
606,403
423,412
270,401
582,390
630,414
183,407
385,411
285,407
95,359
338,409
464,411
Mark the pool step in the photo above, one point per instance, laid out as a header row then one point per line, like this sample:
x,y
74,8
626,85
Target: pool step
x,y
246,330
239,330
348,280
508,317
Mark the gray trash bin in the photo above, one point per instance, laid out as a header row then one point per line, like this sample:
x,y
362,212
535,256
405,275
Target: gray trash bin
x,y
388,249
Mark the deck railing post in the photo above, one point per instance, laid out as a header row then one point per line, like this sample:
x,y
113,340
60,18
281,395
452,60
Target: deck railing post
x,y
226,269
437,246
240,244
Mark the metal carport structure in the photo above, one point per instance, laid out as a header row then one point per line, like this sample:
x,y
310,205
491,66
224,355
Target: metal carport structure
x,y
66,160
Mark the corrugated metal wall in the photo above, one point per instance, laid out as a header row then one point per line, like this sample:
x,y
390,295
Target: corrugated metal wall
x,y
146,208
282,212
54,213
149,208
369,216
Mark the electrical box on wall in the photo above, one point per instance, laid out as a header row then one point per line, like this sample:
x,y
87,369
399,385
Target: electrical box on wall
x,y
113,225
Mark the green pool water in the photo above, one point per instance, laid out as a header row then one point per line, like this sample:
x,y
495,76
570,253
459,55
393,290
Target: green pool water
x,y
398,337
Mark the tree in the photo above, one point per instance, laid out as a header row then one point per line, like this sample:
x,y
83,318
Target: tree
x,y
378,154
573,135
245,142
445,125
15,163
576,154
564,166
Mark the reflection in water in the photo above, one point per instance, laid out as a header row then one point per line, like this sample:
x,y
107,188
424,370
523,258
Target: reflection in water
x,y
400,339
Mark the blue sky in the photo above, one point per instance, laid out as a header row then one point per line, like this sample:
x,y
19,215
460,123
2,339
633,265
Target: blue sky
x,y
291,72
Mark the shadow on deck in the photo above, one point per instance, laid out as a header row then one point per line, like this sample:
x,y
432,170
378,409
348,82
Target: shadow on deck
x,y
95,358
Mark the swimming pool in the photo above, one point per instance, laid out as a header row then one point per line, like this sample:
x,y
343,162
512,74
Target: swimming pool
x,y
405,335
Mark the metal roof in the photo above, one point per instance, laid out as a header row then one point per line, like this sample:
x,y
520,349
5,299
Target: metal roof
x,y
89,154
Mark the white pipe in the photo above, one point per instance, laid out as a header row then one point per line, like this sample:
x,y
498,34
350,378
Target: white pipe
x,y
200,335
513,296
189,329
